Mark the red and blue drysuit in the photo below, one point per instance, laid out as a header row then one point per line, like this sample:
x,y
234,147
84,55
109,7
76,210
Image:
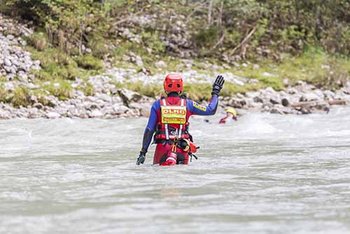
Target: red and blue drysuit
x,y
164,135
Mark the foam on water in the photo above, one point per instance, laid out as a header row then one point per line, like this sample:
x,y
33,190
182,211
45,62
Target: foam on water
x,y
262,174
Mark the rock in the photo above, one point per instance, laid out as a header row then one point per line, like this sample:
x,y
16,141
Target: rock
x,y
276,110
267,74
237,103
9,86
266,108
33,113
7,62
256,66
138,61
274,101
53,115
128,96
329,94
38,106
285,102
305,111
143,108
95,114
4,114
310,96
10,37
160,64
257,99
104,97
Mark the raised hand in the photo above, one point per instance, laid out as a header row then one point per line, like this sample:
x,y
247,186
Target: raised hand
x,y
218,84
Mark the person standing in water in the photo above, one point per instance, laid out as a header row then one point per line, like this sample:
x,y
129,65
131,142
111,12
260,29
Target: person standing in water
x,y
231,114
169,122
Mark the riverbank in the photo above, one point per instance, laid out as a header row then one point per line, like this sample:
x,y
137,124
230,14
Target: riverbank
x,y
111,101
32,88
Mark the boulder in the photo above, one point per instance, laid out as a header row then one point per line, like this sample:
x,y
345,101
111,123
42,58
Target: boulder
x,y
160,64
128,96
52,115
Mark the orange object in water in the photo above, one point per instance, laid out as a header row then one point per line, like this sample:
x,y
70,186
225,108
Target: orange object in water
x,y
193,147
170,160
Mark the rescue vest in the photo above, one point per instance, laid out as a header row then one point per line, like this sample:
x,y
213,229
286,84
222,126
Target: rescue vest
x,y
173,121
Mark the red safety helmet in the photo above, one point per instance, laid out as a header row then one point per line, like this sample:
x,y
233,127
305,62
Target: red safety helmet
x,y
173,83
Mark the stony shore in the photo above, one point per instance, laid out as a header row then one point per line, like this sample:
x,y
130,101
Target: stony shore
x,y
302,98
112,102
109,101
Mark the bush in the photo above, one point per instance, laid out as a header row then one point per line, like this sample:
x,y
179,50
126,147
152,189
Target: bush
x,y
98,46
68,24
60,89
3,94
207,37
151,40
88,89
89,62
21,97
147,90
39,41
56,64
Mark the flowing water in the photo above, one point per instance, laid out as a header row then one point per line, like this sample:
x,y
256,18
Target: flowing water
x,y
262,174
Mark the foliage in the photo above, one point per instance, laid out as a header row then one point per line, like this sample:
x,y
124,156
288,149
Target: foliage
x,y
39,41
3,94
295,40
280,25
59,88
89,62
56,64
20,97
147,90
87,88
207,37
152,41
69,24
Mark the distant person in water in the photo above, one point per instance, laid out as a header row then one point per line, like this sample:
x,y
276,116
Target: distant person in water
x,y
169,122
231,114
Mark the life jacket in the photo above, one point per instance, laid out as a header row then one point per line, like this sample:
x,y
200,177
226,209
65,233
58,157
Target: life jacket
x,y
172,120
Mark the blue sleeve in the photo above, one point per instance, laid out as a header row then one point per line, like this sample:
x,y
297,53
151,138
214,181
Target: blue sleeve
x,y
197,109
151,126
152,121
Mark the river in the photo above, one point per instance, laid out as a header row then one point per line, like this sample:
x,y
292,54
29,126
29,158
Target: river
x,y
263,174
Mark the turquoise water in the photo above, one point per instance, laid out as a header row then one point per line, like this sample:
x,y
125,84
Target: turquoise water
x,y
263,174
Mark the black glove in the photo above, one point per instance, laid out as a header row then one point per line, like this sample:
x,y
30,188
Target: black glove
x,y
141,158
218,84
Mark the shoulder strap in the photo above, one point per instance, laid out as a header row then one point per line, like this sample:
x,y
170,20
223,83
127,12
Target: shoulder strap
x,y
166,125
181,126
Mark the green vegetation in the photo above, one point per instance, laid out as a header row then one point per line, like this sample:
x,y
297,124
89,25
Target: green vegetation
x,y
87,89
39,41
56,64
147,90
20,97
89,62
235,27
3,94
60,88
278,39
313,66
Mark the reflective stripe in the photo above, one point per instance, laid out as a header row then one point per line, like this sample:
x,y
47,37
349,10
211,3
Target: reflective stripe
x,y
181,126
166,125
